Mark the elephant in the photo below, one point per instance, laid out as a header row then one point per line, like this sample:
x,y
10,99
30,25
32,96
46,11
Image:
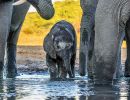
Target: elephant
x,y
111,24
11,20
60,48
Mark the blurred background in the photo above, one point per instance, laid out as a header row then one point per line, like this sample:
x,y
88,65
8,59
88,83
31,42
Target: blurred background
x,y
35,28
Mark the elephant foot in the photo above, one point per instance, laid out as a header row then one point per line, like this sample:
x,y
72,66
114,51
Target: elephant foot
x,y
53,75
90,76
71,74
103,74
82,72
11,62
63,76
103,80
53,78
11,71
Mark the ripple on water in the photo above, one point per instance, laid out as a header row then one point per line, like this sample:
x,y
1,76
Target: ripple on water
x,y
38,86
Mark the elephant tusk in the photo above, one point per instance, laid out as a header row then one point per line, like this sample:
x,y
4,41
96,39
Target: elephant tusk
x,y
19,2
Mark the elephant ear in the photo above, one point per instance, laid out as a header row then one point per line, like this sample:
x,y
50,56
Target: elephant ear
x,y
49,47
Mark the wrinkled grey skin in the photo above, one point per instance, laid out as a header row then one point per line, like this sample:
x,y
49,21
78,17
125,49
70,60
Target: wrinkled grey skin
x,y
109,21
87,34
111,25
11,20
60,58
87,39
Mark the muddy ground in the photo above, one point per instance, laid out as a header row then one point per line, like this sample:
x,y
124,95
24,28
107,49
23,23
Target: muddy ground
x,y
33,59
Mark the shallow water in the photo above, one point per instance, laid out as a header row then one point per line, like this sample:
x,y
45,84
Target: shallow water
x,y
37,86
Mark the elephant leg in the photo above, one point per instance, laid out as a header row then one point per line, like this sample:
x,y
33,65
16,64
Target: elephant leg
x,y
86,32
106,56
61,70
72,66
18,16
51,63
108,41
84,51
90,54
5,20
127,63
119,71
63,74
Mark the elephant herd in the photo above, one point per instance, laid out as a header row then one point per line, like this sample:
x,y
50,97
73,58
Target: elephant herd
x,y
104,25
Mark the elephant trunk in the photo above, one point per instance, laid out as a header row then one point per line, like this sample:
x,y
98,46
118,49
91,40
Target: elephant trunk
x,y
67,65
43,7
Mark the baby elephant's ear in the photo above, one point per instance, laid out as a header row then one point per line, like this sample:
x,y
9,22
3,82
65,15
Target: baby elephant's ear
x,y
49,46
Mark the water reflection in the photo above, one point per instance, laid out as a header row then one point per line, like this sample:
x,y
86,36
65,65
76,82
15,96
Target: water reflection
x,y
7,90
78,89
1,89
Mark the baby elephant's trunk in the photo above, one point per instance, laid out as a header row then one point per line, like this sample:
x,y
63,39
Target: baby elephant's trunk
x,y
67,65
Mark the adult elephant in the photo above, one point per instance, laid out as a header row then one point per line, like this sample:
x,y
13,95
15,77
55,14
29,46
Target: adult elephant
x,y
106,23
11,19
112,23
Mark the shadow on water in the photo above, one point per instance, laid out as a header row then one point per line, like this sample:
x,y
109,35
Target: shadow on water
x,y
37,86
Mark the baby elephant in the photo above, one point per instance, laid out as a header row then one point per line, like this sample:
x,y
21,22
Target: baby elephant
x,y
60,47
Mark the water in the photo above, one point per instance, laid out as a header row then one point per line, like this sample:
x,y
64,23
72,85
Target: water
x,y
37,86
